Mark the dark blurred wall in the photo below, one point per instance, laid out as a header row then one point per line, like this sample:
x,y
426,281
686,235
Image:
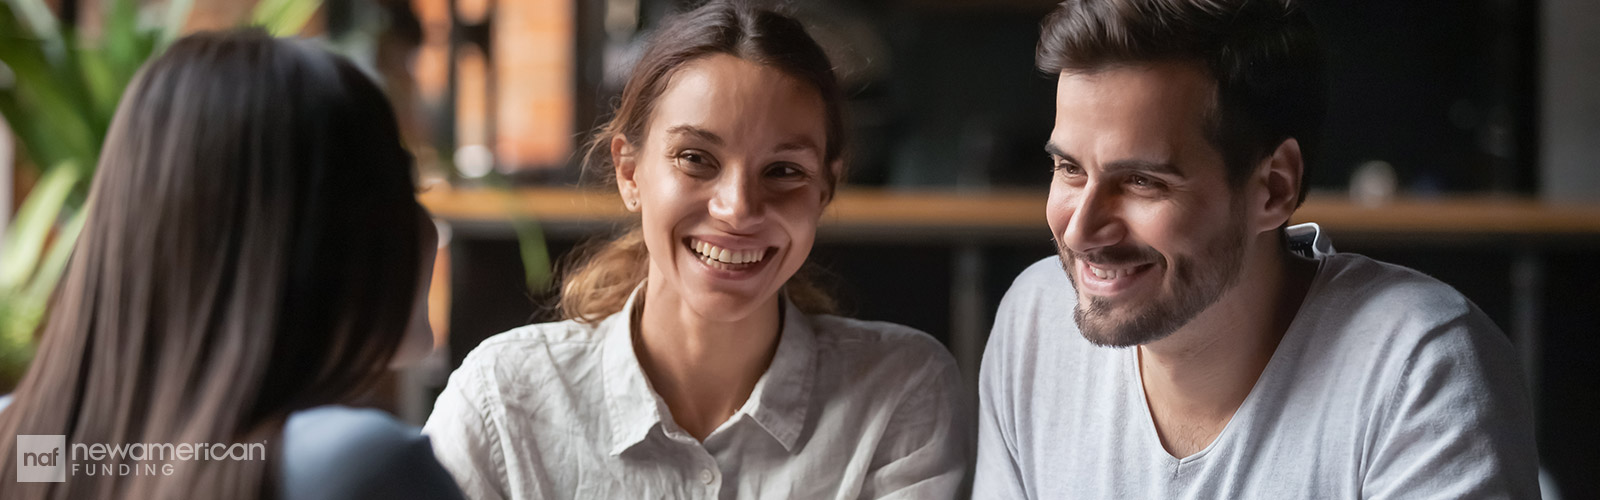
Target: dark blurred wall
x,y
1442,90
1570,116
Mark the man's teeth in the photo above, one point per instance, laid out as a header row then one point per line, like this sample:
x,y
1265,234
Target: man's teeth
x,y
1108,274
726,256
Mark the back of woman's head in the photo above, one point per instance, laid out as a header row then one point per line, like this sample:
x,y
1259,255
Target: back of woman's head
x,y
250,250
604,274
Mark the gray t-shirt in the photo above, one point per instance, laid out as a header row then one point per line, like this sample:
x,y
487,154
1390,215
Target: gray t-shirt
x,y
1388,384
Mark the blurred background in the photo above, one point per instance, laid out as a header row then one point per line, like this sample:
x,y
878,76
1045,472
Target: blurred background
x,y
1462,140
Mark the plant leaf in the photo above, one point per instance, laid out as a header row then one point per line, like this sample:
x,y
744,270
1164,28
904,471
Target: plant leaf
x,y
40,21
177,17
119,37
284,17
32,133
100,78
21,311
55,94
26,236
55,260
535,254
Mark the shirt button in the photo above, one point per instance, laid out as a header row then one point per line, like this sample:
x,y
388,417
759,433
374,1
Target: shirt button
x,y
706,476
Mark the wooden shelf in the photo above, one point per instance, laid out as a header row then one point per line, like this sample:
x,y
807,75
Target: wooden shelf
x,y
873,212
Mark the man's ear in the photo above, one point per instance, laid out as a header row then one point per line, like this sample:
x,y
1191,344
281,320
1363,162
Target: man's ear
x,y
1276,187
624,157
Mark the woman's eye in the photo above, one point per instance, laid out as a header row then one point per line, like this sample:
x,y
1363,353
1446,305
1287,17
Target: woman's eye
x,y
786,171
693,162
692,157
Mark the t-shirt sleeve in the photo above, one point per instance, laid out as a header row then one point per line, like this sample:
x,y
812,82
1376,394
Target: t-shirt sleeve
x,y
338,453
466,440
929,445
1460,422
998,474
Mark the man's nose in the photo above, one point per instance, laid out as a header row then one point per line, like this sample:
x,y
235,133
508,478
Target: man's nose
x,y
1096,221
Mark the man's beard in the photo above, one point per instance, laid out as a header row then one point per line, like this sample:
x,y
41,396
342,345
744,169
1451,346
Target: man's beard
x,y
1197,283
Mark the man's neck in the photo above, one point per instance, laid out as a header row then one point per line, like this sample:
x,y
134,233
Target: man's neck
x,y
703,369
1196,378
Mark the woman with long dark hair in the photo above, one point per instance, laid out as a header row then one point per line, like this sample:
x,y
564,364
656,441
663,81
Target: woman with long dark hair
x,y
694,363
253,255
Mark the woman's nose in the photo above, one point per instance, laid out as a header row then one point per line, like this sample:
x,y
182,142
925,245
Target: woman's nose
x,y
737,201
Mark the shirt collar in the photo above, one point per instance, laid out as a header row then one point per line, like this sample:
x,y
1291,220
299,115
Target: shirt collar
x,y
783,394
634,407
778,404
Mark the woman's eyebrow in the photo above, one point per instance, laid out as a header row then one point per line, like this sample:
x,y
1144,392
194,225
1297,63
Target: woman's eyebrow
x,y
798,144
703,134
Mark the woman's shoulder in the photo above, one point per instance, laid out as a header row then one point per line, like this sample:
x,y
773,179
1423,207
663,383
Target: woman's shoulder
x,y
530,350
539,336
342,452
878,342
339,428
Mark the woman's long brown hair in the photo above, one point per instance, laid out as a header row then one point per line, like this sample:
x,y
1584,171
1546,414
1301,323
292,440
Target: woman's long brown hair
x,y
251,249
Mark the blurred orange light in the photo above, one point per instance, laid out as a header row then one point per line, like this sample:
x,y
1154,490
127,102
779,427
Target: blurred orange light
x,y
534,67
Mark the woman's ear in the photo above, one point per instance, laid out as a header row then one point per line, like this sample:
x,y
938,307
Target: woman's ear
x,y
1277,186
624,157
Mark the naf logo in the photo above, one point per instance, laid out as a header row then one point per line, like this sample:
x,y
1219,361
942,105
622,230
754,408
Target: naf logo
x,y
41,459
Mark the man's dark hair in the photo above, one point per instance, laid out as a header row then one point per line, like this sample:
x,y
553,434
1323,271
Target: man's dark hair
x,y
1263,54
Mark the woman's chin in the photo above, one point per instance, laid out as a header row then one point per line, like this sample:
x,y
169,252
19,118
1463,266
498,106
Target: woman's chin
x,y
726,307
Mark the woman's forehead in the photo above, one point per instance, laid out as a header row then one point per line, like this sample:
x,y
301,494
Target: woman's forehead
x,y
738,102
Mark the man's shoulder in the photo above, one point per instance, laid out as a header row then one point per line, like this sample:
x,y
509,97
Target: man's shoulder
x,y
1045,275
1367,289
1427,375
1041,294
1370,315
1034,327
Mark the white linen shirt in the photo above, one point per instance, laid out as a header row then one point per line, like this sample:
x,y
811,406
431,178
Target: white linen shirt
x,y
847,409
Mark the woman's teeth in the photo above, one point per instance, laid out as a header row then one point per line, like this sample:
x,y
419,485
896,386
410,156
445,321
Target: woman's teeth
x,y
725,256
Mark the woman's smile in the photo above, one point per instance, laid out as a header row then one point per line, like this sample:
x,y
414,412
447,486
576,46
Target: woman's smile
x,y
736,260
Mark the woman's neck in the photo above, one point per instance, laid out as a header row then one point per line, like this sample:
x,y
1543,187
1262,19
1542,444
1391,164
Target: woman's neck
x,y
703,369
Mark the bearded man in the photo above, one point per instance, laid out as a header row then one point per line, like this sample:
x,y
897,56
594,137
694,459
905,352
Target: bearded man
x,y
1179,347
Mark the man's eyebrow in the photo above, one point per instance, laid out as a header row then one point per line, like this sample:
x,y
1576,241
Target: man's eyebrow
x,y
703,134
1154,167
1056,151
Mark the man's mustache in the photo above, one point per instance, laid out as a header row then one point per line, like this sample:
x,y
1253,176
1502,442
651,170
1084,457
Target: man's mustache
x,y
1112,256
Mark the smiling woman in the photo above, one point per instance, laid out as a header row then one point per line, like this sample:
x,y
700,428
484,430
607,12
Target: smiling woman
x,y
693,363
729,184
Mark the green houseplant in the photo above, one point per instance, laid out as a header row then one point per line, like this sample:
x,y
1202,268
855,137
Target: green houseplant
x,y
58,91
